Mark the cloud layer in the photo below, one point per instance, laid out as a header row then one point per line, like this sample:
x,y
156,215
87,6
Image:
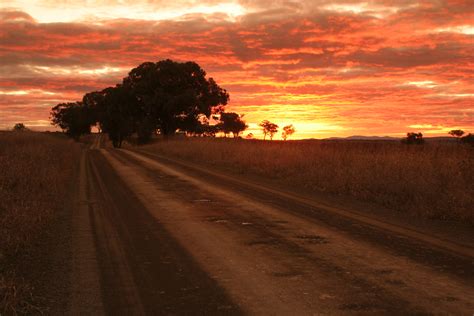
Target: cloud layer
x,y
331,68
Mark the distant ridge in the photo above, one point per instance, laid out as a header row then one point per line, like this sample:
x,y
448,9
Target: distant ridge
x,y
358,137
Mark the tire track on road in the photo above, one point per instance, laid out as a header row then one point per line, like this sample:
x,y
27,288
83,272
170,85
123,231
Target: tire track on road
x,y
143,270
85,297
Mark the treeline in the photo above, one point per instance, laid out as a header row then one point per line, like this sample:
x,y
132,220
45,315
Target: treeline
x,y
162,97
417,138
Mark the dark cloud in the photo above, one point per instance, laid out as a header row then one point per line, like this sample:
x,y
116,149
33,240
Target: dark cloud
x,y
406,57
14,16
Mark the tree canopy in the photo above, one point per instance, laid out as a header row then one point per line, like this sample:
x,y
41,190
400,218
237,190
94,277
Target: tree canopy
x,y
19,127
155,97
231,122
456,133
74,118
171,92
413,138
119,113
268,128
288,130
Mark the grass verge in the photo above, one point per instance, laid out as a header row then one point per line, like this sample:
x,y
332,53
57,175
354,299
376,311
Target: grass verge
x,y
35,172
431,181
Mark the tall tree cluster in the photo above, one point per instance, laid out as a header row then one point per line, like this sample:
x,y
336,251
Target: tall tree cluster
x,y
155,97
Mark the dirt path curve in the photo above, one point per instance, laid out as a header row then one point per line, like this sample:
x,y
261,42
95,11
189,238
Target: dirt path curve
x,y
170,239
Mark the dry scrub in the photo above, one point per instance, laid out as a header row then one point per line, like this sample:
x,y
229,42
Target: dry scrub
x,y
434,180
35,170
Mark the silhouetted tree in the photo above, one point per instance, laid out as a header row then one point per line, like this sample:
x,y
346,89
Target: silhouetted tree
x,y
120,113
456,133
413,138
94,101
287,131
163,96
231,122
73,118
19,127
268,128
468,139
249,136
145,127
210,130
170,91
194,125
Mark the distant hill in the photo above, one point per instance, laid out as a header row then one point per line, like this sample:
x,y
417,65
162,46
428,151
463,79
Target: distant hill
x,y
358,137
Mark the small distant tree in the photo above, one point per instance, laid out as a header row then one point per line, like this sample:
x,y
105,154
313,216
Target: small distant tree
x,y
413,138
268,128
249,136
288,131
456,133
231,122
19,127
468,139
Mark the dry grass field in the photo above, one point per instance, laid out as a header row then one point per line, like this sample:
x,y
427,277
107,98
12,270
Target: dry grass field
x,y
433,180
35,170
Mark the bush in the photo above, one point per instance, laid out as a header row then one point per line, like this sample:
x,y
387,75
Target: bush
x,y
413,138
468,139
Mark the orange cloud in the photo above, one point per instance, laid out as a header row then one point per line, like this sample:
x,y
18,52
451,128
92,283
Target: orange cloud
x,y
346,68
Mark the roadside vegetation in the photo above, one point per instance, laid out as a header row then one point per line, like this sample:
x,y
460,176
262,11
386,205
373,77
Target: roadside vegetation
x,y
35,170
433,180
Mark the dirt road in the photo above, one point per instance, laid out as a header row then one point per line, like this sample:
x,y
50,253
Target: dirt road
x,y
156,236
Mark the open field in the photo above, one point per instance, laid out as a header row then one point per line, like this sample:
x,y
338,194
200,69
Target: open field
x,y
432,181
35,173
142,233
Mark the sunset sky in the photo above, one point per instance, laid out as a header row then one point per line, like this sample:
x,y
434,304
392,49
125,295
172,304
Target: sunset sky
x,y
332,68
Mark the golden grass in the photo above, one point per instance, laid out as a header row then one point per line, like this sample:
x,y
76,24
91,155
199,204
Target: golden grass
x,y
35,170
434,180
